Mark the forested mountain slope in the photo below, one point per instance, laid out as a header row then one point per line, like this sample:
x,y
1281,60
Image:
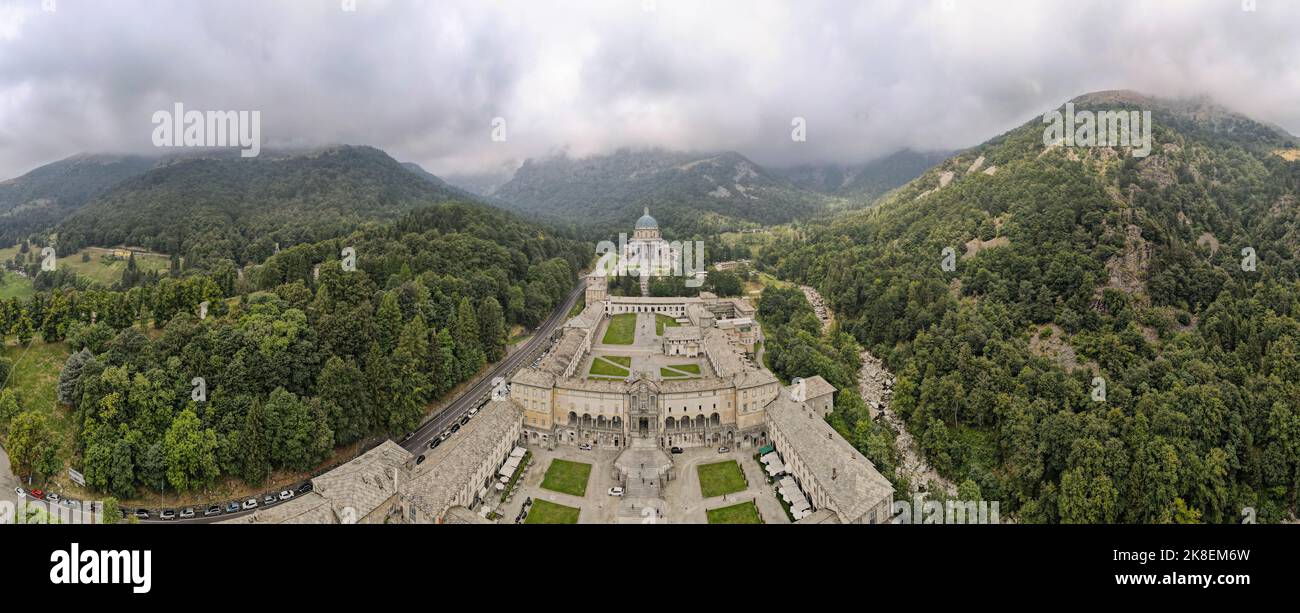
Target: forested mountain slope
x,y
687,192
1097,353
225,207
46,195
863,183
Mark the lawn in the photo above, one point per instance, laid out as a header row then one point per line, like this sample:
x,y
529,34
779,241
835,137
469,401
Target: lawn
x,y
664,321
673,373
14,286
35,378
102,267
743,513
721,478
611,366
544,512
567,477
621,331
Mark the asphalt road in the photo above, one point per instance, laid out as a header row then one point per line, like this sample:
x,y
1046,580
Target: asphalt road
x,y
475,396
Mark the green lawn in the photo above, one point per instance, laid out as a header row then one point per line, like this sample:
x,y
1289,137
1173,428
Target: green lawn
x,y
664,321
694,369
544,512
102,267
14,286
720,478
567,477
669,373
603,365
621,331
36,379
743,513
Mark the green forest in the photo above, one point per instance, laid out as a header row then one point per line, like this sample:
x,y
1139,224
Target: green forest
x,y
1099,347
295,356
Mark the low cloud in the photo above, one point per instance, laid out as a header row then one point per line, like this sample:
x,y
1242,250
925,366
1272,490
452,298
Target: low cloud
x,y
423,80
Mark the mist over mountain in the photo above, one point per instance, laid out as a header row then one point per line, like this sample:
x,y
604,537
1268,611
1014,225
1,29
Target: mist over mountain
x,y
863,182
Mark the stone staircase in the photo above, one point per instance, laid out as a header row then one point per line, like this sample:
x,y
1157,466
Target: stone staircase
x,y
643,466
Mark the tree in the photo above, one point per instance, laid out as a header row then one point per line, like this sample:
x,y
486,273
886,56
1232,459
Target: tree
x,y
469,348
342,388
492,326
110,512
253,447
191,452
32,446
69,388
299,434
388,322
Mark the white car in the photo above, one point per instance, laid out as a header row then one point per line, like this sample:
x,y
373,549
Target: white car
x,y
286,494
250,504
52,497
585,446
616,491
22,493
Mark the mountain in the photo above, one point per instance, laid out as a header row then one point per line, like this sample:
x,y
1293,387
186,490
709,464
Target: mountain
x,y
46,195
1111,338
225,207
863,182
687,192
484,184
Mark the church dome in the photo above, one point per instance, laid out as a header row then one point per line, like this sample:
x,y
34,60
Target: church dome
x,y
646,222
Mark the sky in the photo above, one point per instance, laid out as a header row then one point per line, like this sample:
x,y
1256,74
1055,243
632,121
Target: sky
x,y
424,80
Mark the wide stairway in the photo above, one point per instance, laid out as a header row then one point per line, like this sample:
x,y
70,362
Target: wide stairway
x,y
643,465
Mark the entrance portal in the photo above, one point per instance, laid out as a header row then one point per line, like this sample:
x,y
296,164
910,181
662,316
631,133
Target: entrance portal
x,y
643,425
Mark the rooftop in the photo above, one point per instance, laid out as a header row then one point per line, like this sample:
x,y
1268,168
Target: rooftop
x,y
848,477
447,469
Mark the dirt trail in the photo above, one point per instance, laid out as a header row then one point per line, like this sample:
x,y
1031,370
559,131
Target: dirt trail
x,y
876,386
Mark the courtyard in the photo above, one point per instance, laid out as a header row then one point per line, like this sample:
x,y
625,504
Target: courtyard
x,y
683,495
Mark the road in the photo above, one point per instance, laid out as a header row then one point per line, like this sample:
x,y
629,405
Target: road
x,y
475,396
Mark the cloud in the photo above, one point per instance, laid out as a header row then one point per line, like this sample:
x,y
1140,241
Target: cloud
x,y
423,80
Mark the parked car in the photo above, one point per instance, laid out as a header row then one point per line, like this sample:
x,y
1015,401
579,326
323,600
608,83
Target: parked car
x,y
464,420
419,460
446,434
269,499
249,504
142,513
167,514
473,411
215,510
286,494
435,442
724,449
304,488
22,493
677,450
233,507
38,494
52,497
187,513
616,491
408,436
455,427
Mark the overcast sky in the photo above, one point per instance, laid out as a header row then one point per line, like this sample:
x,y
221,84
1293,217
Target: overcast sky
x,y
423,80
